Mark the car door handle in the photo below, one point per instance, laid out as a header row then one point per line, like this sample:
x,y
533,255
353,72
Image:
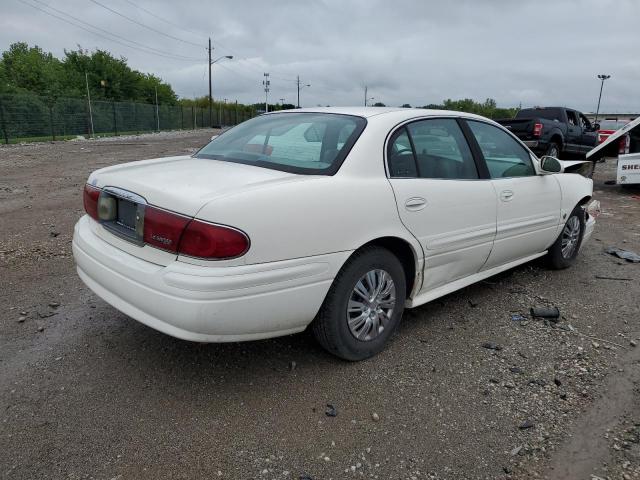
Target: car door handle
x,y
506,195
414,204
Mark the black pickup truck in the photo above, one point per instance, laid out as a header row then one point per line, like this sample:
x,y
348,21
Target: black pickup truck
x,y
556,131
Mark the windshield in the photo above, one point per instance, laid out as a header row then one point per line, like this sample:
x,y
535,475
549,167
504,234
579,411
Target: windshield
x,y
307,143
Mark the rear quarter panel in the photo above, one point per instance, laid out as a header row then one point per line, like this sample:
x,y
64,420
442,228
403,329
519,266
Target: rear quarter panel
x,y
313,217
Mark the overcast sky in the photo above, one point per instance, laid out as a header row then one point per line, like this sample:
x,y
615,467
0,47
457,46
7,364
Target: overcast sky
x,y
418,52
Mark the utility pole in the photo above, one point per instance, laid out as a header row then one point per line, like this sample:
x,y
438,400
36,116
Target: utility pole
x,y
300,86
365,96
86,79
266,84
157,113
602,77
210,98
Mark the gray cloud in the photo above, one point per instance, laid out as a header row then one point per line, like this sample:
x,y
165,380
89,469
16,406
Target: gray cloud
x,y
417,52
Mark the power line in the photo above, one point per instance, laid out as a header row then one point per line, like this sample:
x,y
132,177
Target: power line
x,y
164,19
144,25
70,22
146,48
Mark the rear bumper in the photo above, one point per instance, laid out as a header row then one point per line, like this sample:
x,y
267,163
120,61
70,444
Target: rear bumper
x,y
206,304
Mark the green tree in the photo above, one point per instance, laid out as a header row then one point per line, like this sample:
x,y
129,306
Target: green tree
x,y
29,69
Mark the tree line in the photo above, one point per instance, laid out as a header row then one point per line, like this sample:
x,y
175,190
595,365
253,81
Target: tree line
x,y
25,69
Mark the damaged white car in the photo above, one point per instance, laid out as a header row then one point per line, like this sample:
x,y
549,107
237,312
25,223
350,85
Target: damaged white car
x,y
338,218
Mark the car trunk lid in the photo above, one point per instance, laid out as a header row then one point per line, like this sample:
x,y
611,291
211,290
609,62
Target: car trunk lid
x,y
178,184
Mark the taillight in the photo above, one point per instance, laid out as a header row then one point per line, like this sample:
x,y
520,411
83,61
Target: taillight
x,y
90,197
205,240
537,129
163,229
178,234
623,146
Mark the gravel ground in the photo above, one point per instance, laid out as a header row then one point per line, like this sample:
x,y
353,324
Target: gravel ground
x,y
86,392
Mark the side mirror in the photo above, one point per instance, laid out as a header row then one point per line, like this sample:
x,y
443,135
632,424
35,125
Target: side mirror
x,y
550,165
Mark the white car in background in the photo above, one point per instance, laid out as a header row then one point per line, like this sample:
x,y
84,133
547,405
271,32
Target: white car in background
x,y
338,218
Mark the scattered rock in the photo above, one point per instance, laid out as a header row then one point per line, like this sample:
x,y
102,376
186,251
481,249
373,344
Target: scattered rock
x,y
633,343
527,424
517,370
557,381
375,417
292,365
491,346
21,319
516,450
54,304
331,411
595,344
54,234
41,329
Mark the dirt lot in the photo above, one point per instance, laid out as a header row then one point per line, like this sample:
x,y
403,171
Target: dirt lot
x,y
86,392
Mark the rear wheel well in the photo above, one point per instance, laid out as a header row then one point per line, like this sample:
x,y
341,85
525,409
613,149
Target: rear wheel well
x,y
556,139
584,200
401,249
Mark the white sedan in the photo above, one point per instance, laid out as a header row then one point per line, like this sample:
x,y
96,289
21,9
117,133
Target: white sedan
x,y
338,218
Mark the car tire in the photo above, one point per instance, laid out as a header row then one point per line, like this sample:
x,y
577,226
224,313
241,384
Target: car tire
x,y
553,150
348,325
564,250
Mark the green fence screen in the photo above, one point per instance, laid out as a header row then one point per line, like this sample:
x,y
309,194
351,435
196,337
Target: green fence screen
x,y
26,117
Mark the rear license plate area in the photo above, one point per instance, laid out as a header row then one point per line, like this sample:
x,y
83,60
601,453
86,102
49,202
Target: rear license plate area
x,y
127,213
122,213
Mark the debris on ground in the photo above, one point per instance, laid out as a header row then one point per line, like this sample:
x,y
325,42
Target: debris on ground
x,y
491,346
622,279
518,317
627,255
550,313
527,424
331,411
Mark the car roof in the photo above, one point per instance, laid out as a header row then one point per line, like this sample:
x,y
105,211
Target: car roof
x,y
368,112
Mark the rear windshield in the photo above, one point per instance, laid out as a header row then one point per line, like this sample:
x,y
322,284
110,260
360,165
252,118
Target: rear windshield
x,y
307,143
547,113
612,124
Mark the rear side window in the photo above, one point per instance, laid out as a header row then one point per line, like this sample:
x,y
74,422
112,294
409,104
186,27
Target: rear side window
x,y
433,148
504,156
554,114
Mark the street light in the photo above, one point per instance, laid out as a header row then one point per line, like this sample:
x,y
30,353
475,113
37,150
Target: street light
x,y
602,77
300,87
210,97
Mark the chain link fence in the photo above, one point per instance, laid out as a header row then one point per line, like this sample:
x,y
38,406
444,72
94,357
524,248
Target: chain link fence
x,y
25,117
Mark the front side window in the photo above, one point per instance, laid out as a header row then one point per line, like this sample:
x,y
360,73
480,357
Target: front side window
x,y
433,148
504,156
306,143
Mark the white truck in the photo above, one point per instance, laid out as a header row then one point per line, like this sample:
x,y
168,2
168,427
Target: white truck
x,y
625,145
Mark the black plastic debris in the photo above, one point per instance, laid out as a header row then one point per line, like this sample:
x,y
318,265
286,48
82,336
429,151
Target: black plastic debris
x,y
491,346
331,411
517,317
545,312
627,255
